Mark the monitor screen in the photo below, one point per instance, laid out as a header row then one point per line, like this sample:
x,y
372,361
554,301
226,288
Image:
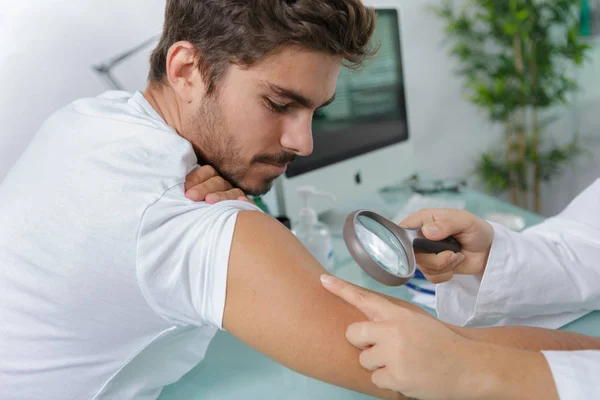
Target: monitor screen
x,y
369,110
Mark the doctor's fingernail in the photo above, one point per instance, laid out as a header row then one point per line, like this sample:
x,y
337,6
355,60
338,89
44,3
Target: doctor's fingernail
x,y
457,258
431,230
327,280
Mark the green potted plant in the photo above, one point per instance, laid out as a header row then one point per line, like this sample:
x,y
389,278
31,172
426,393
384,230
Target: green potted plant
x,y
515,57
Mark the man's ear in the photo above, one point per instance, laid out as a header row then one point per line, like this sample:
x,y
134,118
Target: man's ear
x,y
182,71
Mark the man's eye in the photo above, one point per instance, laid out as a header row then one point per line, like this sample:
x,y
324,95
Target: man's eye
x,y
276,107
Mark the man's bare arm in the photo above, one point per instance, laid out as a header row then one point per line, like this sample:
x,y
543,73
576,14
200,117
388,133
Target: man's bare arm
x,y
276,304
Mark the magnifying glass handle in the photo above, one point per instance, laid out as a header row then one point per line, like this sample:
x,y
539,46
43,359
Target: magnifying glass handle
x,y
432,246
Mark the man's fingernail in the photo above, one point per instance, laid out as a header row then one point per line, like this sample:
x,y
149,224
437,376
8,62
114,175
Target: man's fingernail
x,y
191,194
431,230
327,279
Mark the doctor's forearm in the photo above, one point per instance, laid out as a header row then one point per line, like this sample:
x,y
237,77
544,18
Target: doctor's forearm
x,y
519,337
506,373
528,338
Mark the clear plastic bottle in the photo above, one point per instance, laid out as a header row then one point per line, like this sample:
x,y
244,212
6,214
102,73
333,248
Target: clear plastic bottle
x,y
315,235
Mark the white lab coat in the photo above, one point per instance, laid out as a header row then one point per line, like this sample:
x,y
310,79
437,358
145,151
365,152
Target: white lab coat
x,y
547,276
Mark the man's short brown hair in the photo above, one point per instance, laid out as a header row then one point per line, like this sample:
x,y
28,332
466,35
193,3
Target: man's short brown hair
x,y
243,32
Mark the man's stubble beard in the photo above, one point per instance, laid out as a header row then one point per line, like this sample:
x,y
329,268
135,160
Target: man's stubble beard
x,y
214,145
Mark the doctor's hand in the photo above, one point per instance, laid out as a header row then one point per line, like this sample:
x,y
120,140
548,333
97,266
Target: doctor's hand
x,y
205,184
411,353
474,234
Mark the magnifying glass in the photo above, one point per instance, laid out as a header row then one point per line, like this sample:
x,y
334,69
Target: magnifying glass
x,y
386,251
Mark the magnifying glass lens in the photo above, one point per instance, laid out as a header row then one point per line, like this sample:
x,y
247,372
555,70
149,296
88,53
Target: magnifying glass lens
x,y
382,246
386,251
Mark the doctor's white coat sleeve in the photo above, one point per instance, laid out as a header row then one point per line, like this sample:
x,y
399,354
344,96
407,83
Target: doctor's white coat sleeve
x,y
547,276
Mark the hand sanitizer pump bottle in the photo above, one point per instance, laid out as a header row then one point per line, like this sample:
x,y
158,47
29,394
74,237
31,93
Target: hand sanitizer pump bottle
x,y
315,235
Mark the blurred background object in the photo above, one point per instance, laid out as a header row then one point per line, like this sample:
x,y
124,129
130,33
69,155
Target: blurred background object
x,y
590,19
106,68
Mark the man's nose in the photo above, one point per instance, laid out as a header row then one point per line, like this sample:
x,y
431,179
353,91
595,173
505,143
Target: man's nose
x,y
297,137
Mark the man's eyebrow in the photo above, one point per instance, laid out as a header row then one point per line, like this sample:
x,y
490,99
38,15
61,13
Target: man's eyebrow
x,y
295,96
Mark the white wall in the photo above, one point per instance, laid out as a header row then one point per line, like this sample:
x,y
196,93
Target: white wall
x,y
449,132
48,46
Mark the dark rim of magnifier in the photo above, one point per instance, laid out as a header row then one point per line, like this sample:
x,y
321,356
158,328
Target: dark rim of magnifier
x,y
364,259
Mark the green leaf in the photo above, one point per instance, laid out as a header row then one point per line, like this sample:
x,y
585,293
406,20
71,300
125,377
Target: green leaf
x,y
509,28
523,15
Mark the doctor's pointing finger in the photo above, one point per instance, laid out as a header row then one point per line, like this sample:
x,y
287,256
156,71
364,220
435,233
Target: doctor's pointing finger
x,y
419,356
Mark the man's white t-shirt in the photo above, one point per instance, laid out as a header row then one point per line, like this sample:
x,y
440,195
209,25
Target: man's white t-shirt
x,y
112,283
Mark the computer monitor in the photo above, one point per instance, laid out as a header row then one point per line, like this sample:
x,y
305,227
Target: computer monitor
x,y
362,140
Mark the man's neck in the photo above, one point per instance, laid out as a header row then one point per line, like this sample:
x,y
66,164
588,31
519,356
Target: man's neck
x,y
165,104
